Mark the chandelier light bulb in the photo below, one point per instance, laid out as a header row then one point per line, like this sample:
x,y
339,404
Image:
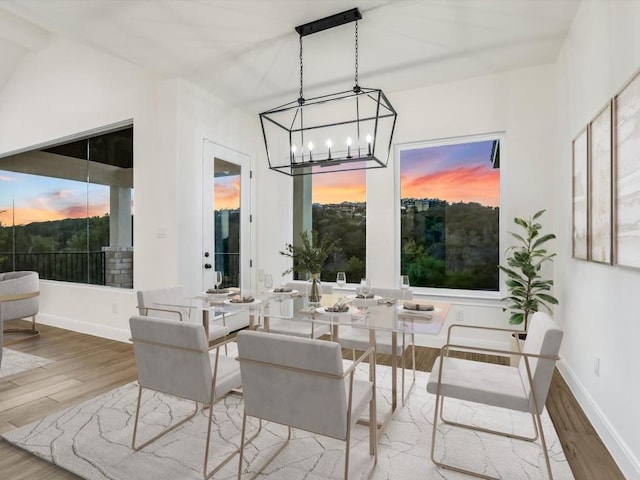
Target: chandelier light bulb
x,y
293,153
310,149
368,138
348,147
329,144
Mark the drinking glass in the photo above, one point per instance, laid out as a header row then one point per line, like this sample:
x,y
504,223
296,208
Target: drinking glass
x,y
268,281
217,278
341,279
365,286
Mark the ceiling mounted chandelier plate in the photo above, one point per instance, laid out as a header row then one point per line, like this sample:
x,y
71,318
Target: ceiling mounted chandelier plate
x,y
348,130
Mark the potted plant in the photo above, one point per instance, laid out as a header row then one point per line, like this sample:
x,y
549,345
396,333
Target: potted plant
x,y
308,257
528,291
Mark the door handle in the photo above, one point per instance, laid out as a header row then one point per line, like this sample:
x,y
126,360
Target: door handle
x,y
207,265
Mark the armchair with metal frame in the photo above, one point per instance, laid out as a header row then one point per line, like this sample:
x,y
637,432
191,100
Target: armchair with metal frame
x,y
174,358
301,383
19,298
523,388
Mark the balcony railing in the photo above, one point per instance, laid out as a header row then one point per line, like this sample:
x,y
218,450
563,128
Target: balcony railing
x,y
77,267
229,265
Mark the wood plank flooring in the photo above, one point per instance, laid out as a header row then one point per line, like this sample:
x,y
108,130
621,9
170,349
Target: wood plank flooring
x,y
85,366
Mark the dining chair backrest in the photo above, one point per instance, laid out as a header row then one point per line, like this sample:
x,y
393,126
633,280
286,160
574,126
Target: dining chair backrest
x,y
543,338
172,357
294,381
167,298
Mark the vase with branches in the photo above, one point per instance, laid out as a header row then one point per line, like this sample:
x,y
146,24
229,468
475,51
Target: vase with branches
x,y
308,257
528,291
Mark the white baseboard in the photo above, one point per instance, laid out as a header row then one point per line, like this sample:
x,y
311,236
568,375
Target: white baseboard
x,y
619,450
111,333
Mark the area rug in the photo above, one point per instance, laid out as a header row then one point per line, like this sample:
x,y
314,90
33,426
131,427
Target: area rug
x,y
93,440
17,362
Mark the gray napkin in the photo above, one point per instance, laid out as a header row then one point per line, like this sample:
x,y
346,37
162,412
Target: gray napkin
x,y
282,290
418,307
240,299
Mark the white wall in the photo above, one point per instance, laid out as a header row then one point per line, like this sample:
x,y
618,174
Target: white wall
x,y
66,89
520,104
598,304
203,116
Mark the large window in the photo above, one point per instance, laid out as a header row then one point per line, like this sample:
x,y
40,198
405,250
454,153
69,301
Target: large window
x,y
67,211
338,209
449,214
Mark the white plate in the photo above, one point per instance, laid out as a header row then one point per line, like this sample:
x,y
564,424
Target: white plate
x,y
323,311
418,313
256,301
292,292
217,295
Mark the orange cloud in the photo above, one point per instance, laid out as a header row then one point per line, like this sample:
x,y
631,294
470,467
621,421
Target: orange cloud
x,y
26,215
340,187
227,195
464,184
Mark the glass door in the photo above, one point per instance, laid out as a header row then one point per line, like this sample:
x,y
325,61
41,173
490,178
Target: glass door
x,y
226,218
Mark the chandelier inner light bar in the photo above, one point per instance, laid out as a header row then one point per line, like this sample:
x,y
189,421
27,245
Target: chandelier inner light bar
x,y
349,130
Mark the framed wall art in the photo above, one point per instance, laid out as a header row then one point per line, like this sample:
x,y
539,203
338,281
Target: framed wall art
x,y
626,107
580,148
600,189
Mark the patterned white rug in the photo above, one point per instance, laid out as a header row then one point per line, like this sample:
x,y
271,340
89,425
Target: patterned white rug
x,y
93,440
14,362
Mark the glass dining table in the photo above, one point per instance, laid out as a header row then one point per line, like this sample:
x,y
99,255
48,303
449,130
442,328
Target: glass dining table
x,y
377,317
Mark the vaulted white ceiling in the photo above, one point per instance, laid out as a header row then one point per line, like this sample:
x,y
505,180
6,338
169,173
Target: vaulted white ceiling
x,y
246,51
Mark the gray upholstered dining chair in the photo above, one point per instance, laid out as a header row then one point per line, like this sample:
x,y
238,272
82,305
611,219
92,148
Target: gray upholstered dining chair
x,y
174,358
164,302
358,338
19,298
301,383
523,388
169,302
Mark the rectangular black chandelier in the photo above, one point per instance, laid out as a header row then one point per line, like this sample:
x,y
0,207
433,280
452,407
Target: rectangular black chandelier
x,y
349,130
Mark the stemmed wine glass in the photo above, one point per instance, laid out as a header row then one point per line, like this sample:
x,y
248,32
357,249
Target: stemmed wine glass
x,y
341,281
404,284
217,278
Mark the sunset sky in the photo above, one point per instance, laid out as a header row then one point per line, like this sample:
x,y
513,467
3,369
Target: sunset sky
x,y
226,192
455,173
39,199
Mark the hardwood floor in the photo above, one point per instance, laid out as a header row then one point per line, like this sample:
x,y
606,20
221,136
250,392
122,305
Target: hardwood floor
x,y
85,366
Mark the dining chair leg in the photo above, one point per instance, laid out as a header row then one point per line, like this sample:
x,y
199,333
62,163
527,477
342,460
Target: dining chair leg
x,y
240,455
163,432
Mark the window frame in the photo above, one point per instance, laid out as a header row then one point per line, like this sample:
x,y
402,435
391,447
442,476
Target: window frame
x,y
94,132
502,228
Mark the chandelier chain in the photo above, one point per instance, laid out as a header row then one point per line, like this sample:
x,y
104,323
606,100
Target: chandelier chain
x,y
356,63
301,71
